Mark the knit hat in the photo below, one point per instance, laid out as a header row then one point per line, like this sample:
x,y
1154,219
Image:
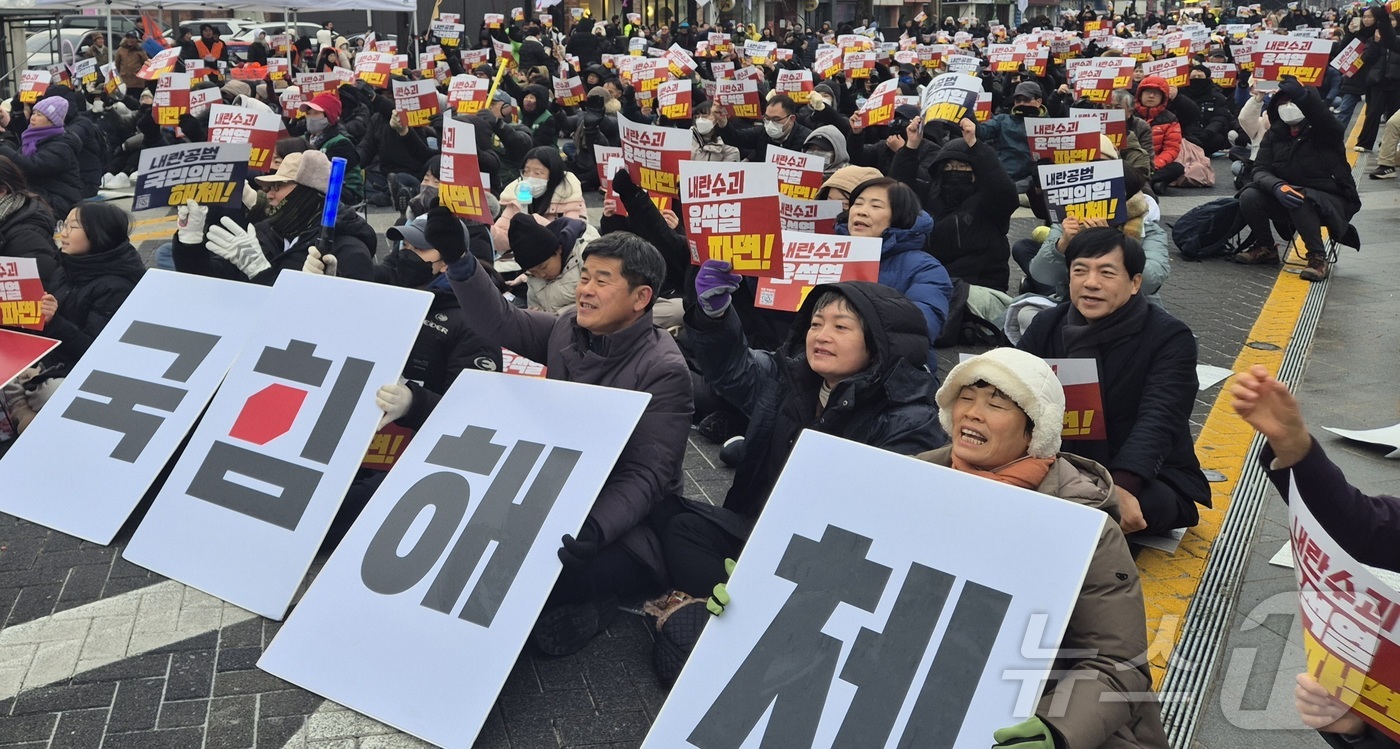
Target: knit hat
x,y
54,107
328,103
308,168
236,87
825,90
531,242
1026,379
847,178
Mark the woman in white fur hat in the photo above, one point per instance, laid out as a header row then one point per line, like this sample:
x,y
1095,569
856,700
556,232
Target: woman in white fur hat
x,y
1003,411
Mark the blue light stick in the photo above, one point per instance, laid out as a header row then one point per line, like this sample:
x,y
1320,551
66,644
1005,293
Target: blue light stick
x,y
332,209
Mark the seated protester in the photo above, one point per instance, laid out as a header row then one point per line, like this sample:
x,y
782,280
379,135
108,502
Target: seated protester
x,y
1004,410
296,196
840,184
1301,179
545,188
1147,373
100,268
395,155
828,143
1045,264
1125,100
852,366
609,339
705,141
779,127
880,154
971,199
821,106
594,127
1007,133
26,225
1211,130
323,132
286,147
550,255
662,230
535,114
48,155
1365,526
889,210
1166,131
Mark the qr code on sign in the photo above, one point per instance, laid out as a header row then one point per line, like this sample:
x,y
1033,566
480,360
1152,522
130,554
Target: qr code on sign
x,y
766,297
141,203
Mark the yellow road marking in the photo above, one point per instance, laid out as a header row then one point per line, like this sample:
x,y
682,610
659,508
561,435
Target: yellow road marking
x,y
1169,582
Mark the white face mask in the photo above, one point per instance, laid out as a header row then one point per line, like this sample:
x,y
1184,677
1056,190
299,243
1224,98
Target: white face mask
x,y
536,184
1290,113
704,127
774,130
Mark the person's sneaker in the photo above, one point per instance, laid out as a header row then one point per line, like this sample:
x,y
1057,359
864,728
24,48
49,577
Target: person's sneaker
x,y
400,197
118,181
719,426
1317,270
569,628
1260,254
106,179
732,453
1361,149
1383,172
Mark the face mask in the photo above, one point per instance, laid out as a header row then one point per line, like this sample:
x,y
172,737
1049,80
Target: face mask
x,y
1290,113
1027,110
774,130
704,127
860,102
411,271
537,185
957,186
316,124
826,157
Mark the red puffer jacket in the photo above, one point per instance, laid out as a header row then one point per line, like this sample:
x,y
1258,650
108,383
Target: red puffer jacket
x,y
1166,131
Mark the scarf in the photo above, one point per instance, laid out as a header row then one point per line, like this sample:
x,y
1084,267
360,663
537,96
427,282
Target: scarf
x,y
1027,472
9,203
32,137
1083,338
297,214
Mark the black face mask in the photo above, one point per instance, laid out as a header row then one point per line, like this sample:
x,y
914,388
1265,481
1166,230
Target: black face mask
x,y
1027,110
957,186
411,271
1199,84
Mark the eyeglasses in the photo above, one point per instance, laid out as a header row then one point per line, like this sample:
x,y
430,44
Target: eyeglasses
x,y
64,227
778,120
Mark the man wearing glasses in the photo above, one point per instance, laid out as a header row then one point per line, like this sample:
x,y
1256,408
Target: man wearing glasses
x,y
779,127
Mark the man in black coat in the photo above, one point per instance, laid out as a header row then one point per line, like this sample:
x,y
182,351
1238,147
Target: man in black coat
x,y
779,127
1147,376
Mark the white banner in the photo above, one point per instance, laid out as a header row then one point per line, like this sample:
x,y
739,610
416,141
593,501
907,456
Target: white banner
x,y
128,403
246,507
865,614
385,629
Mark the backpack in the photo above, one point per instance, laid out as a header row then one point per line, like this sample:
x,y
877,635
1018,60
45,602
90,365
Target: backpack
x,y
1199,172
963,327
1209,230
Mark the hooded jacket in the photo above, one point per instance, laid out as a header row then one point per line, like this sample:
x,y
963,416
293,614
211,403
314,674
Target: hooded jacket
x,y
544,131
889,405
969,237
908,269
1106,702
1313,159
1166,131
557,295
28,232
53,171
94,286
840,156
1006,133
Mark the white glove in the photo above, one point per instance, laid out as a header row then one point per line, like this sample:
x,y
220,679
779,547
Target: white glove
x,y
321,265
190,229
817,102
250,197
98,106
394,401
237,245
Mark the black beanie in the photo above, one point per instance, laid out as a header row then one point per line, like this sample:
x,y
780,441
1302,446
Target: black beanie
x,y
530,242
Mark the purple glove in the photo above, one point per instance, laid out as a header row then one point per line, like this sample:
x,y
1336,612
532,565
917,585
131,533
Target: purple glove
x,y
713,285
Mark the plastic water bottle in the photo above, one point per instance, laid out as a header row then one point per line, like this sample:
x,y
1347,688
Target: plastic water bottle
x,y
523,193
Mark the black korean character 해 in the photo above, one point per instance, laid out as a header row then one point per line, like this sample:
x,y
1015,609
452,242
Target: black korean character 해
x,y
299,382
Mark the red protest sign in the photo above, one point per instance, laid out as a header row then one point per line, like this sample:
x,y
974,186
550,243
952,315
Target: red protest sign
x,y
416,101
673,99
810,260
654,155
258,129
466,94
568,90
163,62
1173,69
1084,419
373,68
1004,58
1111,122
983,112
800,175
858,64
731,213
1096,83
387,447
796,84
1348,61
1064,140
680,61
172,98
739,98
32,85
462,190
879,106
20,292
1224,74
513,363
1279,56
811,216
19,351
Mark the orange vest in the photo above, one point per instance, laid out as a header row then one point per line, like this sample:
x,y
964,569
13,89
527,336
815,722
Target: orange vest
x,y
205,52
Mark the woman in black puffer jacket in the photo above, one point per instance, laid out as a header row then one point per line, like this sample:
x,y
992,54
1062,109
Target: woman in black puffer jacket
x,y
100,268
26,224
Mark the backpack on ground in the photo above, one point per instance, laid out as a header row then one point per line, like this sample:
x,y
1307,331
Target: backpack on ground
x,y
1210,230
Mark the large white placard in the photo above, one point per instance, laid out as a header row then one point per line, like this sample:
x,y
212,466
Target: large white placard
x,y
131,399
254,492
385,628
885,604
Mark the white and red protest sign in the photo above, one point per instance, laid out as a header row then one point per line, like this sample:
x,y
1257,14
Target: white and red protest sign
x,y
731,213
162,62
1348,61
85,72
648,74
654,155
568,89
172,98
1096,83
739,98
1085,191
467,94
858,64
967,64
879,106
1279,56
111,82
1350,620
1063,140
20,292
373,68
493,20
950,97
1173,69
463,191
448,34
759,52
930,55
800,175
983,112
797,84
811,216
1004,58
315,84
810,260
680,61
204,98
474,57
1177,44
1138,49
1097,29
513,363
1243,52
609,162
1224,74
32,85
259,129
673,99
828,62
417,101
1084,417
637,46
1111,122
